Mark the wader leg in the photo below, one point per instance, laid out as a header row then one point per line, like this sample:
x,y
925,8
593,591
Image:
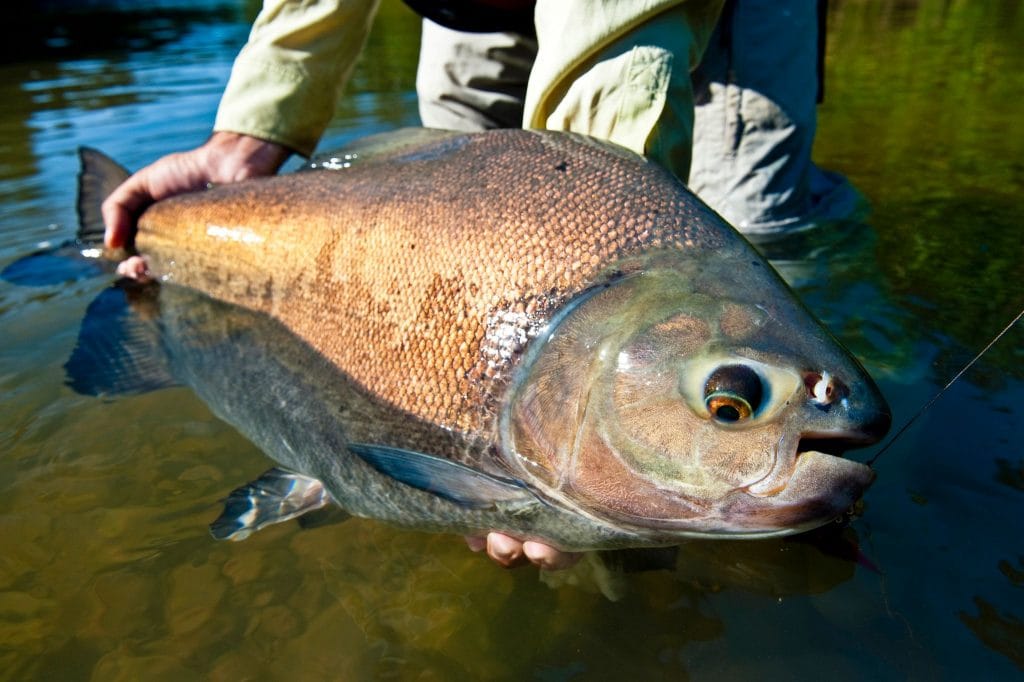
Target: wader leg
x,y
756,92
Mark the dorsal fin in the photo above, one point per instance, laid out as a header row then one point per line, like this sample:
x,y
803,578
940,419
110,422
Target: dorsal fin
x,y
98,177
395,145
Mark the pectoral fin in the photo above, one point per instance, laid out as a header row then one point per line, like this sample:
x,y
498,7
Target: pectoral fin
x,y
450,480
274,497
405,144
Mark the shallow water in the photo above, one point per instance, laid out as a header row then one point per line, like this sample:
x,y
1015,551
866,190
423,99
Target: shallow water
x,y
107,570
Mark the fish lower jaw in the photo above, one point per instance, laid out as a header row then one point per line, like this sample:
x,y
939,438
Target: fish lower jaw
x,y
723,529
815,450
747,535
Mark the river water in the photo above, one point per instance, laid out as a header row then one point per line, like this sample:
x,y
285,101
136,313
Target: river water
x,y
107,571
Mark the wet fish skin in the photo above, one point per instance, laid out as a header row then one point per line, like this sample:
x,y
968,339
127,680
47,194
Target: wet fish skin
x,y
457,250
540,307
296,406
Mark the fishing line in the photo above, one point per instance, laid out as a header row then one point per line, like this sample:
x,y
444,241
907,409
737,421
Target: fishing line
x,y
945,388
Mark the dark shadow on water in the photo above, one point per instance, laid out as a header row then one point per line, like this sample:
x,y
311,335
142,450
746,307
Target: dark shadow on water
x,y
1010,473
998,629
810,563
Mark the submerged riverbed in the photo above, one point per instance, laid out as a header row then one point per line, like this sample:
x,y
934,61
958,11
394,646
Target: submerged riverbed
x,y
107,570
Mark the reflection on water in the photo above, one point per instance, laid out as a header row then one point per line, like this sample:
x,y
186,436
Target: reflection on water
x,y
66,29
106,567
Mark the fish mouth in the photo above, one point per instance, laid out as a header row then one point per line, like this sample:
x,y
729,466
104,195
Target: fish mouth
x,y
825,457
818,486
832,445
836,446
811,485
788,455
858,426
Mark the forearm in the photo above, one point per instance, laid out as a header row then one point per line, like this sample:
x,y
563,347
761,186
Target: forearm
x,y
287,78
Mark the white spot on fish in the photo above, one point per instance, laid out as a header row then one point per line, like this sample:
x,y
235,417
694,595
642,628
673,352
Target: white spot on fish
x,y
245,520
822,394
507,334
234,234
92,253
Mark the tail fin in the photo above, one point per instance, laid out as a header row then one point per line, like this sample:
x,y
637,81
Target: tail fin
x,y
119,350
82,257
98,176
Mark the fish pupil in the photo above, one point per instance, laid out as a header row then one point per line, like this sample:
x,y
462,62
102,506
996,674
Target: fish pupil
x,y
733,393
728,413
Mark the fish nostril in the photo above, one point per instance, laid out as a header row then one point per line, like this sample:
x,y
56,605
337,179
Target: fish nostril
x,y
824,389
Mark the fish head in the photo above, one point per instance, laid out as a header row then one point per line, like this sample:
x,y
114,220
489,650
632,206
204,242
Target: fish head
x,y
693,397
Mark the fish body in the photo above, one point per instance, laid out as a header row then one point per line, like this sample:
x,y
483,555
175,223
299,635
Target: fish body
x,y
522,331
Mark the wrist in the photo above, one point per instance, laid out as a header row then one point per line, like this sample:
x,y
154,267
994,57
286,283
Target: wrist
x,y
237,156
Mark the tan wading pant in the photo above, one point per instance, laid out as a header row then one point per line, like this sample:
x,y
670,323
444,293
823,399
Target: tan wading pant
x,y
752,133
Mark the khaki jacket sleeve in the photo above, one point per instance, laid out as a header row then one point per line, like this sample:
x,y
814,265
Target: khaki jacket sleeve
x,y
620,70
286,80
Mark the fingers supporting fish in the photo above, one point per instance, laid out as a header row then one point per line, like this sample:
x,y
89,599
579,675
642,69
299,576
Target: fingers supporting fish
x,y
134,267
505,551
509,552
549,558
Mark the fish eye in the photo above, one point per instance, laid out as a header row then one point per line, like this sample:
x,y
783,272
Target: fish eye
x,y
733,393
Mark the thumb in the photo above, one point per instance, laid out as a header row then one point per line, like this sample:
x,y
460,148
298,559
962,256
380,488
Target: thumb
x,y
170,175
121,209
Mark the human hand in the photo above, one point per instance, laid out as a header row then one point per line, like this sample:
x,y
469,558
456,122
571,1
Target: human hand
x,y
508,552
224,158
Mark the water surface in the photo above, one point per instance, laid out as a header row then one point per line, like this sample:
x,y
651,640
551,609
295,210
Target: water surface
x,y
107,571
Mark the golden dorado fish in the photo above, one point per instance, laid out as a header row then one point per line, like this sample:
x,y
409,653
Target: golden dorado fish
x,y
522,331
